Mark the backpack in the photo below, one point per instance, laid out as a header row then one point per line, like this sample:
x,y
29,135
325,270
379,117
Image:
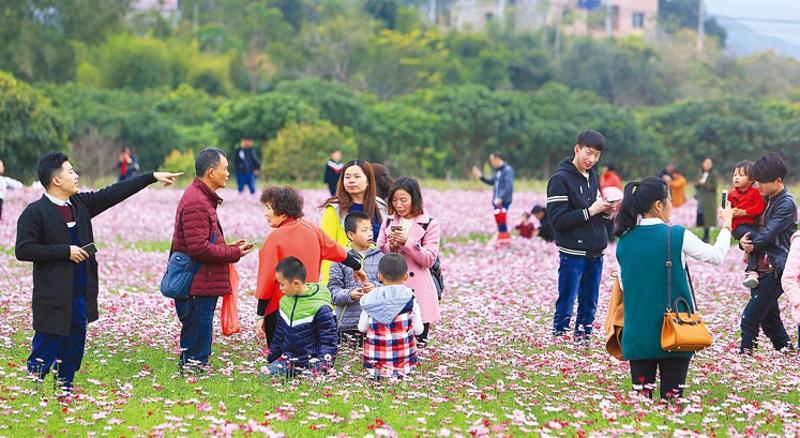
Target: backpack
x,y
436,269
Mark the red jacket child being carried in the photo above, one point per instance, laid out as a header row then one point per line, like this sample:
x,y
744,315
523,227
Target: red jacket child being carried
x,y
748,205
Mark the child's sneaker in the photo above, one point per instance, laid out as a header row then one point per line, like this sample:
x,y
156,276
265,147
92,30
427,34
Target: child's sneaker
x,y
750,280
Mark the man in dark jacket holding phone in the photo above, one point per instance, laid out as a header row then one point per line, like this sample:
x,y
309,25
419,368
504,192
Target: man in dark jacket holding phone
x,y
579,214
54,233
198,234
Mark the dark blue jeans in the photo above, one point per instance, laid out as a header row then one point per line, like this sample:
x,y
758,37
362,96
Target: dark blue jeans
x,y
762,311
246,179
65,351
578,277
197,317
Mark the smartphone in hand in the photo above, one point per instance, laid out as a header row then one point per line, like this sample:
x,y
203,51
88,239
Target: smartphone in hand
x,y
724,199
396,228
90,248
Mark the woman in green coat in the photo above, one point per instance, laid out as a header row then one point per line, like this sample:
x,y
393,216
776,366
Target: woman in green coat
x,y
641,226
706,188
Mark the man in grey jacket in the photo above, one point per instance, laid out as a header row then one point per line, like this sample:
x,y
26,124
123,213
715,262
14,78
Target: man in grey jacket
x,y
345,291
503,189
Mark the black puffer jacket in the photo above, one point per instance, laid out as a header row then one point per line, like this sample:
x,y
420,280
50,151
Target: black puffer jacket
x,y
780,222
569,196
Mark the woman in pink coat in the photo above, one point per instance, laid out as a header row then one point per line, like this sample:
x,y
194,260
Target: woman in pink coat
x,y
414,234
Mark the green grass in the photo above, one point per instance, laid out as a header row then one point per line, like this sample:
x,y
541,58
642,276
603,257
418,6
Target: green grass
x,y
132,392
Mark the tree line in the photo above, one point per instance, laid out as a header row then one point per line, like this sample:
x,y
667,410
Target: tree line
x,y
374,79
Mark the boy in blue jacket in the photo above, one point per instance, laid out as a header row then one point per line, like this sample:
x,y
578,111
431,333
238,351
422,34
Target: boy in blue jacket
x,y
305,335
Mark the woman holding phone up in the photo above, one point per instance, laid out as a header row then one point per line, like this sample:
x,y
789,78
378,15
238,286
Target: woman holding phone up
x,y
415,235
642,226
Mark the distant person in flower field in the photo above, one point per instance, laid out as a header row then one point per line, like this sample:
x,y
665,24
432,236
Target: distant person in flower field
x,y
333,171
127,164
524,226
198,234
706,193
53,233
748,206
292,236
247,166
502,182
579,214
346,291
545,230
677,186
383,181
610,177
642,226
305,336
391,318
611,190
791,281
6,183
773,240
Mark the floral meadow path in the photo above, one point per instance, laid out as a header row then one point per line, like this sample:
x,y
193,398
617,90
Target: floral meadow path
x,y
491,369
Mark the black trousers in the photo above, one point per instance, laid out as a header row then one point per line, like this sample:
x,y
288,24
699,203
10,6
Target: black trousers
x,y
762,311
672,372
270,322
424,336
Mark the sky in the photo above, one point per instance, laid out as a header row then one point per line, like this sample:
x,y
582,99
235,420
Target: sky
x,y
766,9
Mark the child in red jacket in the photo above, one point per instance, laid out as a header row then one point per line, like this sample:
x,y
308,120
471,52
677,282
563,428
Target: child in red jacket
x,y
748,205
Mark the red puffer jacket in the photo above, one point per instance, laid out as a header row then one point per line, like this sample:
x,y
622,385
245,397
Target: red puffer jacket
x,y
195,220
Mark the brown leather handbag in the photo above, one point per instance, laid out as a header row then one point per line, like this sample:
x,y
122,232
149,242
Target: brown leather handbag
x,y
681,331
614,322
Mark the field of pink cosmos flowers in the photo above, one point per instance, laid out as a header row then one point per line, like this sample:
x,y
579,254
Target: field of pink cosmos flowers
x,y
491,368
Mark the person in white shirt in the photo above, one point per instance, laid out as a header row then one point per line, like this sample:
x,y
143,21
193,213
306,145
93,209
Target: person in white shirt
x,y
649,252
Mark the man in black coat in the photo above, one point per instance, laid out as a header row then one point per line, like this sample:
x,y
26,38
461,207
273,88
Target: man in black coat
x,y
53,233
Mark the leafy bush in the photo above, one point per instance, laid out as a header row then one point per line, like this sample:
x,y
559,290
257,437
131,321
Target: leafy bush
x,y
29,127
261,117
300,150
178,161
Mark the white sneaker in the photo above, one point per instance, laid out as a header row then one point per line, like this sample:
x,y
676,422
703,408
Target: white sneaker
x,y
750,280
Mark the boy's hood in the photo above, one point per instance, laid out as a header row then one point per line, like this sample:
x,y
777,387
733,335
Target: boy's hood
x,y
383,304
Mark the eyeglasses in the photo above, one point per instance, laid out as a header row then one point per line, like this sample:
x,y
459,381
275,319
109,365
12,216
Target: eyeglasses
x,y
355,162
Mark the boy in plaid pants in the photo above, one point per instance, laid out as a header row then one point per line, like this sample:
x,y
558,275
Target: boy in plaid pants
x,y
391,318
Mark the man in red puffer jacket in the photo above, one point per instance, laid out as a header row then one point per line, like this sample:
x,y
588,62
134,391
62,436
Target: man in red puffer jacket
x,y
198,234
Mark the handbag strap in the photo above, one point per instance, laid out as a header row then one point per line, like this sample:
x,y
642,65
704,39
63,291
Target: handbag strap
x,y
668,265
691,288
